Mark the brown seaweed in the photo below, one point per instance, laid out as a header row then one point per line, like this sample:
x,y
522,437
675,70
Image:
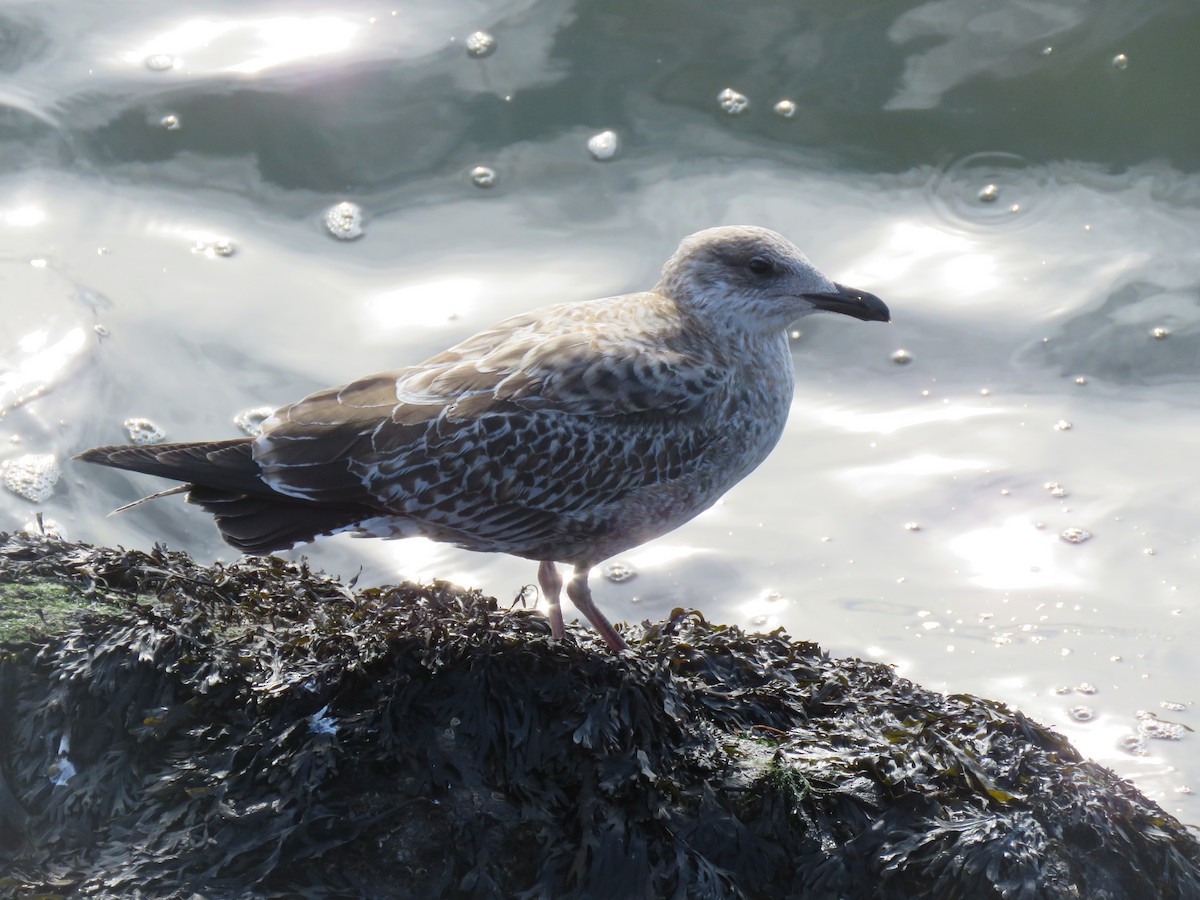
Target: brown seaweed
x,y
258,729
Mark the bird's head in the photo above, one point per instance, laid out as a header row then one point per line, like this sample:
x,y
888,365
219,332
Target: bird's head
x,y
757,280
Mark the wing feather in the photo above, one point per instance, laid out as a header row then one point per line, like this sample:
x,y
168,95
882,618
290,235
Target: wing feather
x,y
518,424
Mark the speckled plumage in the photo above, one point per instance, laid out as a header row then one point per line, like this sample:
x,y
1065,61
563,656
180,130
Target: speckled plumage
x,y
568,434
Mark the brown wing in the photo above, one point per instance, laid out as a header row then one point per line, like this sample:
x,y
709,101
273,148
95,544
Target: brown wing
x,y
610,357
507,432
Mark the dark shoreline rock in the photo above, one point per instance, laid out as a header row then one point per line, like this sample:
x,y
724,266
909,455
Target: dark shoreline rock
x,y
257,729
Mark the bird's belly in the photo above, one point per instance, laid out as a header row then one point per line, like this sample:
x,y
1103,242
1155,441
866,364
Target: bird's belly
x,y
651,511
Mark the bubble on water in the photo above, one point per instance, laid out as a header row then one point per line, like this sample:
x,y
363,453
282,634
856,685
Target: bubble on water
x,y
1133,745
912,526
1081,380
1086,687
796,334
984,392
32,476
143,431
251,420
480,44
733,103
160,62
1063,425
1075,535
44,526
1120,61
1168,731
1183,789
1172,705
1160,333
483,177
101,330
758,621
967,191
785,108
604,145
1055,489
1064,689
1046,51
1162,731
1149,551
901,357
1081,713
170,122
344,220
618,572
212,249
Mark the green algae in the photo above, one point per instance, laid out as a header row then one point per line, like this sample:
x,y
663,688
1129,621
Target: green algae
x,y
42,606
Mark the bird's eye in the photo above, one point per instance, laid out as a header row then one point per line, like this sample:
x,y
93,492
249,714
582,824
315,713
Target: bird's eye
x,y
760,265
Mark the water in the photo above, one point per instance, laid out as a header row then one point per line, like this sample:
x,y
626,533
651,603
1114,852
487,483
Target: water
x,y
1026,203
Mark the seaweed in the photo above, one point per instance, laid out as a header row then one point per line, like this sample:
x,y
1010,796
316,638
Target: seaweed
x,y
259,729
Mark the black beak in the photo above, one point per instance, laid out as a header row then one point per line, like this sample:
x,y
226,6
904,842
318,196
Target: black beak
x,y
851,302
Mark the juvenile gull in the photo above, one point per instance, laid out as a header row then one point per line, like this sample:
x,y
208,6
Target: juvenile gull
x,y
568,434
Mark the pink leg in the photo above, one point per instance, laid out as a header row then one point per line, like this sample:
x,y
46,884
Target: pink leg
x,y
552,583
581,596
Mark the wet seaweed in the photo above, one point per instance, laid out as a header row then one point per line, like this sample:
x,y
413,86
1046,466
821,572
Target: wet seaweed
x,y
258,729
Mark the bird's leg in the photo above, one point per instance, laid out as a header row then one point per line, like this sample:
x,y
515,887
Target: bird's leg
x,y
552,583
581,596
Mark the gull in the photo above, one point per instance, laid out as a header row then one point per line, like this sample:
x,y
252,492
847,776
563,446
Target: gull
x,y
565,435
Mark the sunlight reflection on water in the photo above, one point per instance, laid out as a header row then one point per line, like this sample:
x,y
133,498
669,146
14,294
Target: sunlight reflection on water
x,y
247,47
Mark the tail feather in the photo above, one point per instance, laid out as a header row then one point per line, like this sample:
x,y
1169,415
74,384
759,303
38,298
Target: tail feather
x,y
222,478
226,464
258,525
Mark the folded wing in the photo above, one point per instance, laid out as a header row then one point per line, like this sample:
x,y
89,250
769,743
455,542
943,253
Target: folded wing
x,y
498,439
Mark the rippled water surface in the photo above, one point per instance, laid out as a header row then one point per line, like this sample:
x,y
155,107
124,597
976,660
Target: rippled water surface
x,y
1018,181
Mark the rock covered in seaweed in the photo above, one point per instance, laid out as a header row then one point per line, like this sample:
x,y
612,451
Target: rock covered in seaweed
x,y
260,730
